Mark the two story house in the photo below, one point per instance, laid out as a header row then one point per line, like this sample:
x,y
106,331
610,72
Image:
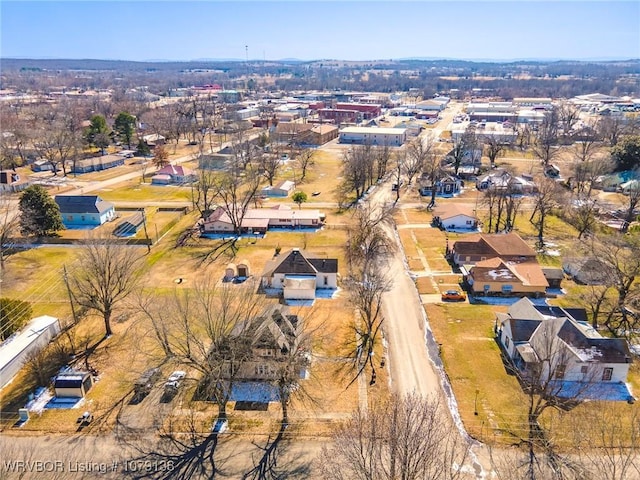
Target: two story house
x,y
557,350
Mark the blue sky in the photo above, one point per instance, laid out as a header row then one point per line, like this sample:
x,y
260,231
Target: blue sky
x,y
313,29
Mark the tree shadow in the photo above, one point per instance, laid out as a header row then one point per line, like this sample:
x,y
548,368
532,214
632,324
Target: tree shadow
x,y
270,466
177,455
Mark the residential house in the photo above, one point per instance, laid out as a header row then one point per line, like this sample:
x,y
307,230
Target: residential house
x,y
282,189
456,217
275,338
446,186
497,277
84,210
174,174
508,246
259,220
298,274
153,139
10,181
96,164
504,181
42,166
556,348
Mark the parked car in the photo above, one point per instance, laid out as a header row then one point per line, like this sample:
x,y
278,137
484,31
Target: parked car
x,y
453,295
220,426
174,381
145,383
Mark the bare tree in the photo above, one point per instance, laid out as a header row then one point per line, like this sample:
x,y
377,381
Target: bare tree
x,y
107,274
404,437
547,198
366,287
235,193
419,153
611,129
208,329
382,157
546,138
619,257
55,142
494,146
368,242
356,163
270,165
568,116
304,160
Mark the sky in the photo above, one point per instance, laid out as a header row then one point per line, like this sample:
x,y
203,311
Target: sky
x,y
320,29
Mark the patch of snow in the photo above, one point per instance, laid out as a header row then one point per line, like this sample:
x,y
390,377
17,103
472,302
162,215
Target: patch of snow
x,y
503,273
588,354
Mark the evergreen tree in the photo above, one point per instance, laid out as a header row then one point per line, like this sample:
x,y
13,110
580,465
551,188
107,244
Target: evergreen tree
x,y
39,213
124,125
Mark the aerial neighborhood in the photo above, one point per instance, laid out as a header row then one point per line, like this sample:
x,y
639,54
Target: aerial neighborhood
x,y
247,251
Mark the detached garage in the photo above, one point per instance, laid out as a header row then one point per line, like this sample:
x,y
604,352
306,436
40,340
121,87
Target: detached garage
x,y
35,336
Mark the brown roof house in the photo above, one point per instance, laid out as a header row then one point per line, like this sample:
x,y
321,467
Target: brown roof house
x,y
297,275
557,350
497,277
508,246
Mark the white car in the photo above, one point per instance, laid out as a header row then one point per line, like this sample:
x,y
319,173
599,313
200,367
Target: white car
x,y
175,379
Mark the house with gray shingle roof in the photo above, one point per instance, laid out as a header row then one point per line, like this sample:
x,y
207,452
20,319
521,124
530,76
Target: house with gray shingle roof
x,y
556,348
84,210
298,274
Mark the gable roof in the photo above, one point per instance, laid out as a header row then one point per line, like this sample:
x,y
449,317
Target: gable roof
x,y
494,245
175,170
585,343
299,262
82,204
454,209
497,270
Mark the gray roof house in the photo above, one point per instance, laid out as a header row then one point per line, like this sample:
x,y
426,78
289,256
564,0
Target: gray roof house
x,y
297,274
556,349
84,210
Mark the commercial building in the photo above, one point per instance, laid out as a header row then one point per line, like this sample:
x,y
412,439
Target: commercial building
x,y
393,137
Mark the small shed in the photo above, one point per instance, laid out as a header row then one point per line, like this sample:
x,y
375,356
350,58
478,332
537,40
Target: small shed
x,y
554,276
72,384
230,272
130,225
244,269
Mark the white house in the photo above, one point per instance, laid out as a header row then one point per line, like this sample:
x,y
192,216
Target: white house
x,y
557,346
393,137
452,216
261,219
174,174
299,274
283,189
